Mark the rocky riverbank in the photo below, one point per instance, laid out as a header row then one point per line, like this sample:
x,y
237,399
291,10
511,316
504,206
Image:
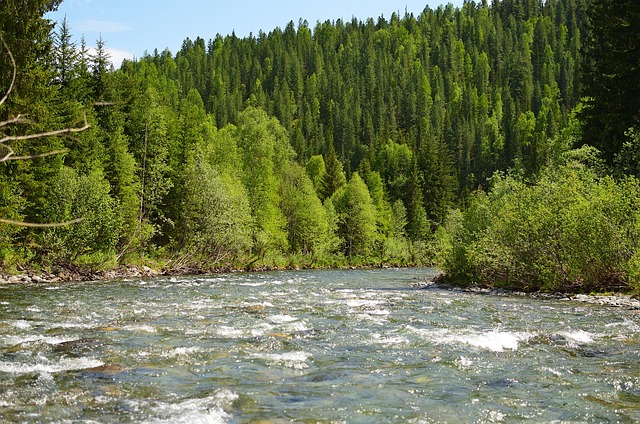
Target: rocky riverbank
x,y
618,299
68,273
71,273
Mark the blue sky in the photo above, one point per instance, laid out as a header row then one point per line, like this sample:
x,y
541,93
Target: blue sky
x,y
131,27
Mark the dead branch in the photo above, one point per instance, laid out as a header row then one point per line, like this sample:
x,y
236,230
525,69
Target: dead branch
x,y
39,155
35,225
15,71
20,119
63,131
9,155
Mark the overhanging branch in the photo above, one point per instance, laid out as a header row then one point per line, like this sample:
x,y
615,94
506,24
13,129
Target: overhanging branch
x,y
15,71
36,225
9,154
46,134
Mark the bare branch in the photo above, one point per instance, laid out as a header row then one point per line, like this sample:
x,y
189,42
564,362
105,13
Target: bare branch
x,y
10,152
34,225
45,134
70,137
15,71
36,156
20,119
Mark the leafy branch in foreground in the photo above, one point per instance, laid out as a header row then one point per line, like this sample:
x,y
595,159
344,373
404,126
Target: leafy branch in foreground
x,y
10,153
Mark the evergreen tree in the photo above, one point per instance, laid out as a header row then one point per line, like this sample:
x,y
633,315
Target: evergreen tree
x,y
66,54
426,109
611,74
333,178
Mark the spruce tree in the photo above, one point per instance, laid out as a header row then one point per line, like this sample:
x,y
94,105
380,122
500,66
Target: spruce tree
x,y
333,178
611,74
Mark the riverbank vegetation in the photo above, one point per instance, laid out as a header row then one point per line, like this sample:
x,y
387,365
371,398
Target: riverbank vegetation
x,y
447,137
569,230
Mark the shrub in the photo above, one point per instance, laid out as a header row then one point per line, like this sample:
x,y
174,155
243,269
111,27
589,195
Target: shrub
x,y
569,231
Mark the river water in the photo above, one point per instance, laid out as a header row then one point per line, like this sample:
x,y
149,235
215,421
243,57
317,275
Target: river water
x,y
310,346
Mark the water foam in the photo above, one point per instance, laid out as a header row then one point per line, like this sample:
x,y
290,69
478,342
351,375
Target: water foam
x,y
261,329
140,328
229,332
580,336
282,319
495,341
296,327
383,312
52,340
296,360
358,303
182,351
390,341
209,410
21,324
492,340
65,364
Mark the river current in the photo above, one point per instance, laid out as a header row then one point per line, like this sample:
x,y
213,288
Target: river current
x,y
357,346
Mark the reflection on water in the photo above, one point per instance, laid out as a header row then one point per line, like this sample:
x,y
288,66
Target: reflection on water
x,y
310,346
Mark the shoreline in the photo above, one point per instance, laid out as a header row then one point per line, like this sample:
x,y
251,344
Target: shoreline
x,y
70,274
620,300
77,274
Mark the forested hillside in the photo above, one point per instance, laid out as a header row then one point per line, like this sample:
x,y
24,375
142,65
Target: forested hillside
x,y
317,144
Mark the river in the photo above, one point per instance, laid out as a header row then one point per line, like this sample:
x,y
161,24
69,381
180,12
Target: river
x,y
356,346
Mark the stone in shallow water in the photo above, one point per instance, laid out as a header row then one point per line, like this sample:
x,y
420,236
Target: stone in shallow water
x,y
106,369
78,346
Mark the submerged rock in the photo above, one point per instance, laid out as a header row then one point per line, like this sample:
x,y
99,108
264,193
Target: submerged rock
x,y
106,369
78,346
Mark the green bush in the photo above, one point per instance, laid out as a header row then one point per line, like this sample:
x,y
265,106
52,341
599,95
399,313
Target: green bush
x,y
571,230
80,196
216,216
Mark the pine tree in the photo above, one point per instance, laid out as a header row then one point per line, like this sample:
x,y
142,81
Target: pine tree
x,y
100,65
66,54
611,74
334,177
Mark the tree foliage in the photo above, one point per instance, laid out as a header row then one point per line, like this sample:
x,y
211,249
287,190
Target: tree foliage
x,y
611,73
348,141
570,231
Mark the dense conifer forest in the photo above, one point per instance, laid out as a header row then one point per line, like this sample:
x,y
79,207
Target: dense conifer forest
x,y
399,141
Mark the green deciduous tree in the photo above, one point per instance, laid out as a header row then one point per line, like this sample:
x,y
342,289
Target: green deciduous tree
x,y
266,153
216,215
88,196
572,230
307,224
316,169
356,217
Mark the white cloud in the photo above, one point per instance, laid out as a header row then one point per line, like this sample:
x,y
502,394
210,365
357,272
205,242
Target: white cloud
x,y
101,26
116,56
